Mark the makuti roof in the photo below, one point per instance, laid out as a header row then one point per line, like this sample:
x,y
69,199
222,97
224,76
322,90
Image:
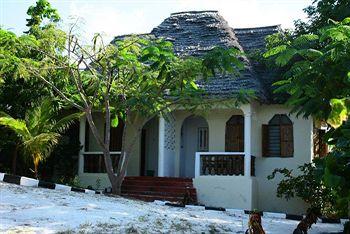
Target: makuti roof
x,y
196,32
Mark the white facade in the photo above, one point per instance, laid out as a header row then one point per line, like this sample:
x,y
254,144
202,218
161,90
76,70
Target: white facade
x,y
174,155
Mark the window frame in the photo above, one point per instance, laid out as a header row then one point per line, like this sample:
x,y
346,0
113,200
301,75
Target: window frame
x,y
266,145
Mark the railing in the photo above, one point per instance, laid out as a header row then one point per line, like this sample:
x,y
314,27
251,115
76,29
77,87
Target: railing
x,y
94,162
221,163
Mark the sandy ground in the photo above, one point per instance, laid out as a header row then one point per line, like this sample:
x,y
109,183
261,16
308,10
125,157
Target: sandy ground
x,y
37,210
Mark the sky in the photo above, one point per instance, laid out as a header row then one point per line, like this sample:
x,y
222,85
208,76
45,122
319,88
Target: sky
x,y
117,17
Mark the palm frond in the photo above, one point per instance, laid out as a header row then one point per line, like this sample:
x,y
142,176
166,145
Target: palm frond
x,y
18,126
63,124
3,114
43,143
39,119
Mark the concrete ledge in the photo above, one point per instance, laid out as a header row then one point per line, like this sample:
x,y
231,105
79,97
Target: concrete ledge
x,y
235,212
274,215
2,176
193,207
238,212
30,182
13,179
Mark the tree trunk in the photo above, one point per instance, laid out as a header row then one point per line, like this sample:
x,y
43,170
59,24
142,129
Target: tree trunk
x,y
14,158
110,173
105,146
124,159
36,165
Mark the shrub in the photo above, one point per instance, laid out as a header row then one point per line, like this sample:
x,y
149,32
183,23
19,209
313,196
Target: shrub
x,y
309,187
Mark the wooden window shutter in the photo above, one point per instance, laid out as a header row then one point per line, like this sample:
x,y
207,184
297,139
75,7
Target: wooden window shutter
x,y
265,140
287,146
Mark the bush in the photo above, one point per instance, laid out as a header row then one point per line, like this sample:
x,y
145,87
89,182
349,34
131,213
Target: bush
x,y
309,187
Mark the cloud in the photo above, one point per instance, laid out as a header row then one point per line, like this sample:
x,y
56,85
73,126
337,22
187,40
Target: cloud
x,y
107,19
140,16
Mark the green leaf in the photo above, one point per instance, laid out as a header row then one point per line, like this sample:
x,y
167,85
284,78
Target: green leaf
x,y
304,40
115,122
346,21
194,85
274,51
339,112
284,57
310,53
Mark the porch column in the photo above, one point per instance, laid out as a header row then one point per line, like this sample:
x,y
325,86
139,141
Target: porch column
x,y
161,135
247,140
82,142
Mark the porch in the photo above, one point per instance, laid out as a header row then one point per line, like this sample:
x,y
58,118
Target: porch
x,y
182,145
212,150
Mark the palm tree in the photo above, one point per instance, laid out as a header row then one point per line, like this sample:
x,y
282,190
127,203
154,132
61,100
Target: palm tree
x,y
39,131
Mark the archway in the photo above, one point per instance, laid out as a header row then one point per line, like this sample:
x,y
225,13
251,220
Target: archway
x,y
194,138
149,148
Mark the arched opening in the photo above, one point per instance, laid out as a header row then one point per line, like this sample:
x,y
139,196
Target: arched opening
x,y
234,134
149,148
194,138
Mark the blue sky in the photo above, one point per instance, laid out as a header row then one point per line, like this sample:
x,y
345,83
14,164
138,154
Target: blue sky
x,y
115,17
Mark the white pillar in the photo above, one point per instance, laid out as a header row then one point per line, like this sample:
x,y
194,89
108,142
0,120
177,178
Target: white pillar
x,y
247,140
161,135
82,142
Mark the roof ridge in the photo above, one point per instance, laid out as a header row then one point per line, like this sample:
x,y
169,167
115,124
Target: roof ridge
x,y
194,12
278,26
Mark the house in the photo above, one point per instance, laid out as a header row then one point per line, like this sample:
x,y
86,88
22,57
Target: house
x,y
228,151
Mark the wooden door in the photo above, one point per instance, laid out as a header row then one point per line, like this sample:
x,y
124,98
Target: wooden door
x,y
234,134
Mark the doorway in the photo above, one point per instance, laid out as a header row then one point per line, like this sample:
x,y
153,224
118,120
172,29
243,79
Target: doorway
x,y
194,138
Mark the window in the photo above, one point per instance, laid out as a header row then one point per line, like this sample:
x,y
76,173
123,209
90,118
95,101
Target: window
x,y
94,162
234,134
116,135
277,139
203,139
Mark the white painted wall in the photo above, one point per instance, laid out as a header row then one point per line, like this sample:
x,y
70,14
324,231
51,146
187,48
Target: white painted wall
x,y
302,131
226,191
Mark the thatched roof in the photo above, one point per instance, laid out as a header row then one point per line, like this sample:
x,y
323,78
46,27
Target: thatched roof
x,y
196,32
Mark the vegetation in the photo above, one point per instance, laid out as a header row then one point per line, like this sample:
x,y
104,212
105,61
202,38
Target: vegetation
x,y
315,62
39,131
308,186
131,80
15,82
321,13
317,81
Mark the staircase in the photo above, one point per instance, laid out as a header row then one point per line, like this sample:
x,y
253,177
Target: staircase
x,y
149,188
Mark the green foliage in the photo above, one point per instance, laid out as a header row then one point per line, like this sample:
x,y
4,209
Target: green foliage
x,y
335,168
316,71
309,187
39,131
131,78
62,165
38,13
316,77
320,13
